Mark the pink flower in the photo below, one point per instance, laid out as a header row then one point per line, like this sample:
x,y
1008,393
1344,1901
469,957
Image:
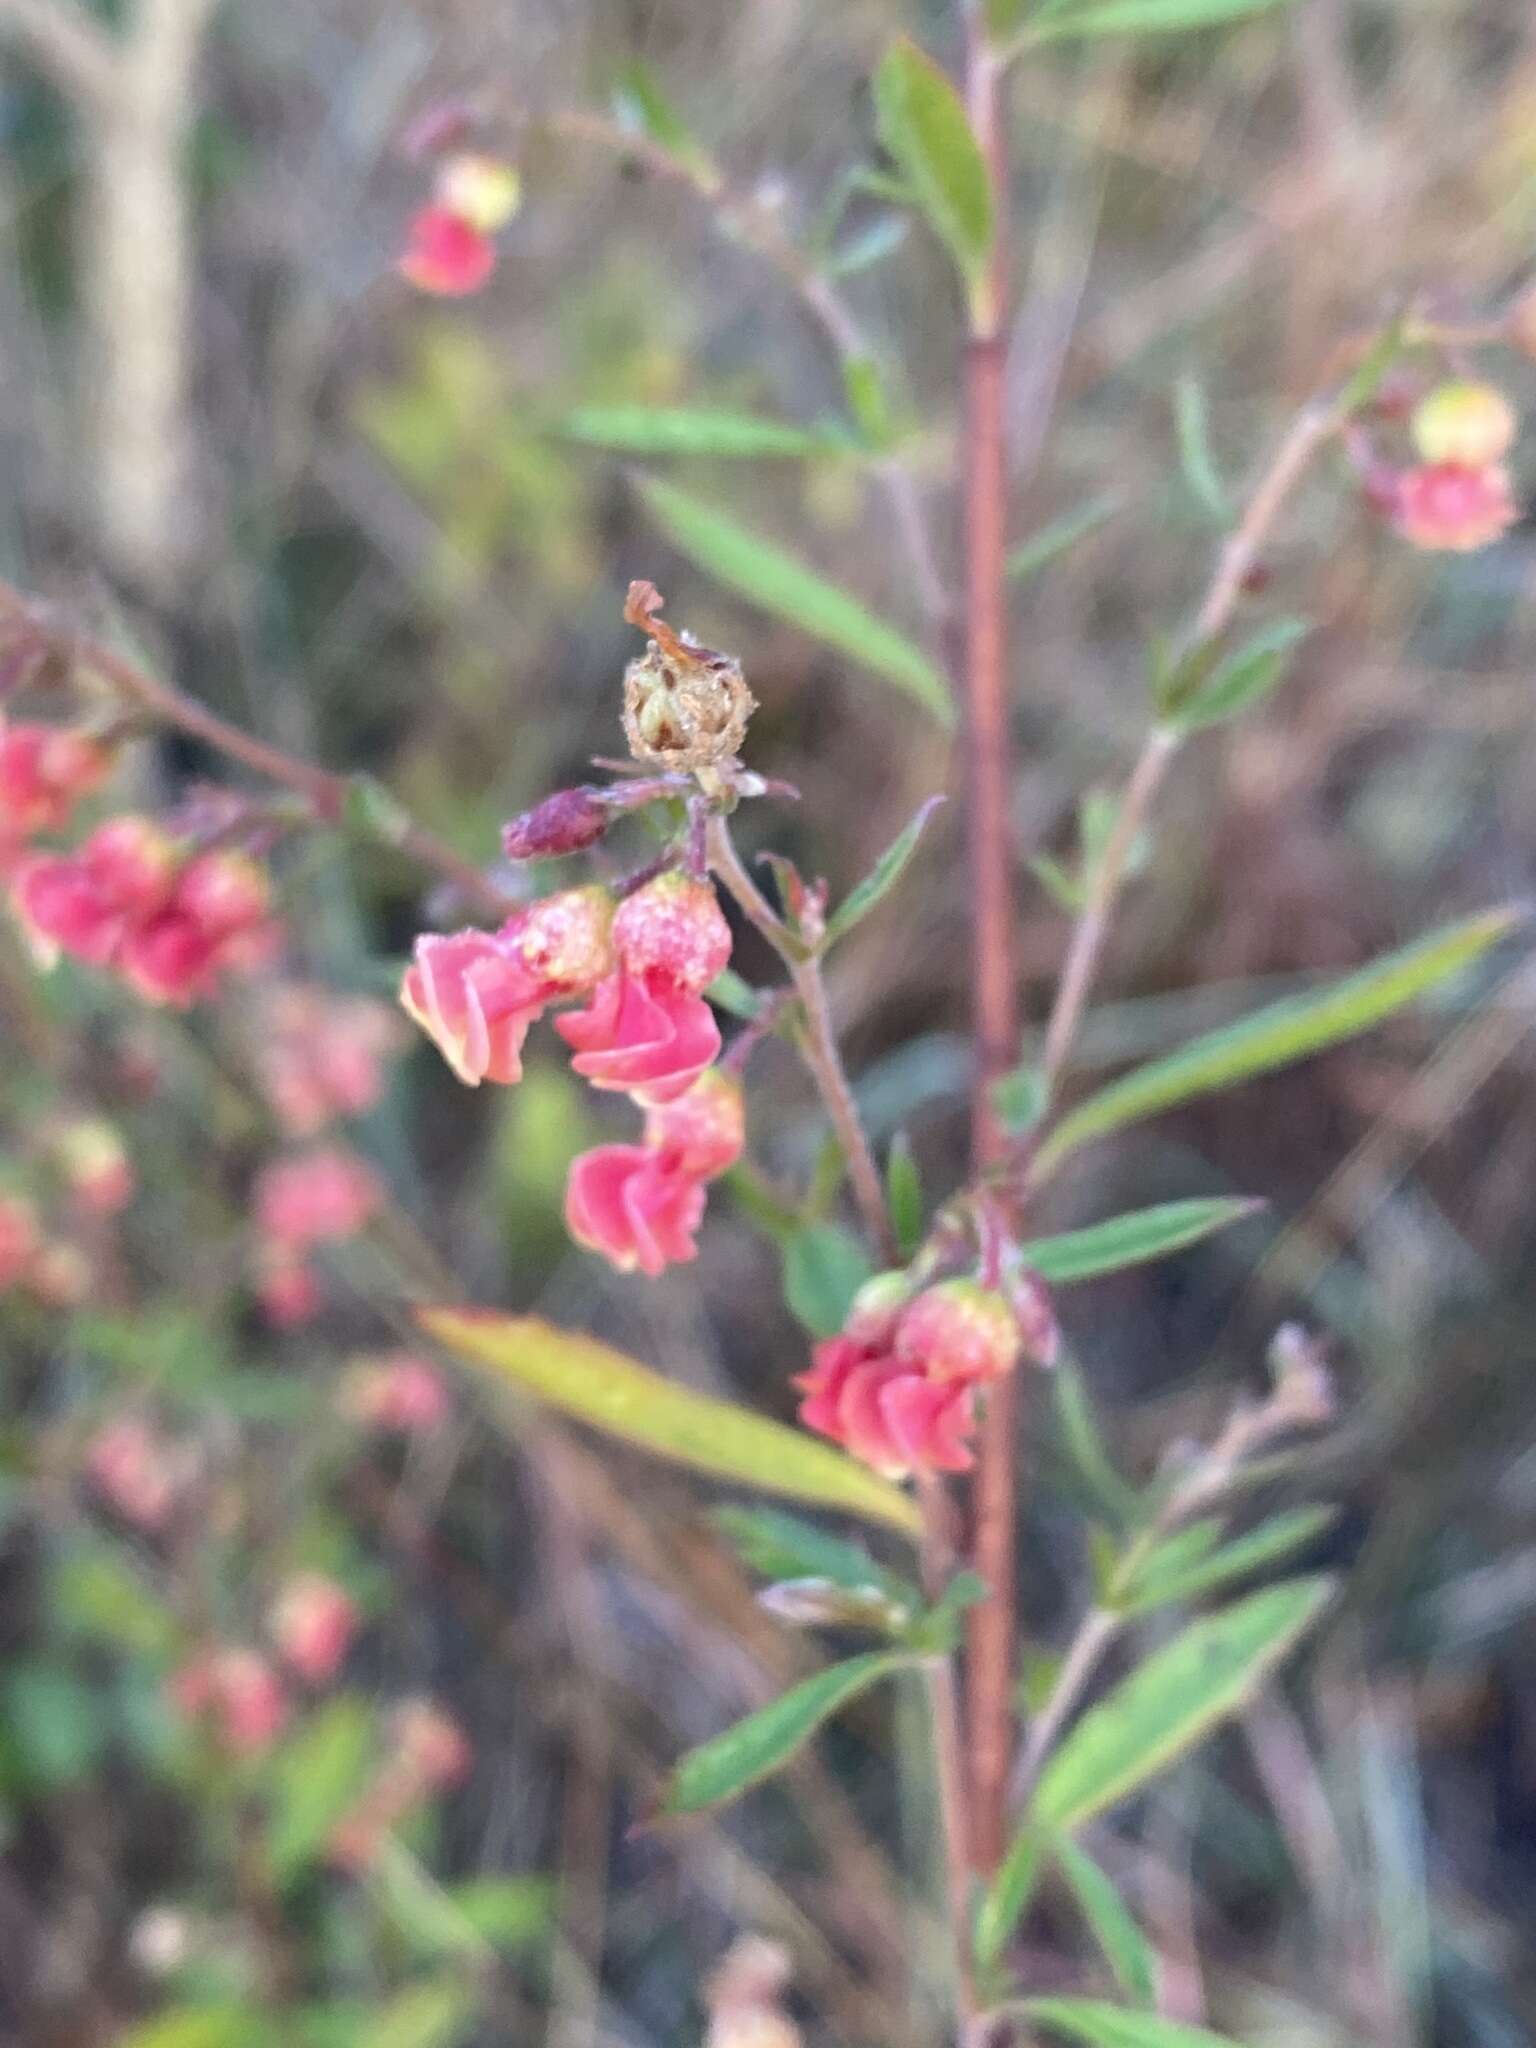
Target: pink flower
x,y
474,1002
673,929
20,1240
315,1198
129,1467
398,1392
625,1202
958,1330
445,255
640,1206
430,1744
287,1288
320,1057
1445,507
44,771
313,1622
238,1694
645,1036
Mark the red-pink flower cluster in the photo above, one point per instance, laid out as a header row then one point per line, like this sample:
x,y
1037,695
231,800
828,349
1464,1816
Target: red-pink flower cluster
x,y
44,772
319,1197
645,1030
170,922
236,1695
897,1387
641,1205
320,1057
1457,496
450,247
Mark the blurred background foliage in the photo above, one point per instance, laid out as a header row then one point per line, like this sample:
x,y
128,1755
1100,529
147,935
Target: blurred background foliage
x,y
386,551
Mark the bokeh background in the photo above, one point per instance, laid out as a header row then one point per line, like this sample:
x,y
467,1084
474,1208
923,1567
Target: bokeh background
x,y
347,517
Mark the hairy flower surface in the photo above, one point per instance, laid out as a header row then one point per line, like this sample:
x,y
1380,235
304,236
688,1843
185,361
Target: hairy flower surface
x,y
673,929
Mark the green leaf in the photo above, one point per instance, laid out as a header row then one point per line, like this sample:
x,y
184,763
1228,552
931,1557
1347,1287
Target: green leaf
x,y
867,400
1064,889
781,1546
1145,17
1168,1703
644,109
882,877
1196,458
1133,1239
317,1778
824,1268
904,1195
600,1386
1097,2025
765,1741
1280,1034
1031,556
1171,1573
693,430
1125,1948
202,2026
506,1912
736,997
769,576
1007,1897
427,2016
1083,1443
57,1724
1239,682
924,126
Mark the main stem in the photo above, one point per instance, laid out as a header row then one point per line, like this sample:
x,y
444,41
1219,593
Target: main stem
x,y
990,1658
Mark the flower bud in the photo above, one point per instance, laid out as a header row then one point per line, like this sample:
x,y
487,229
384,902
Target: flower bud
x,y
1466,423
702,1131
129,1467
566,822
484,190
431,1743
673,928
312,1623
959,1332
95,1164
397,1392
563,942
223,893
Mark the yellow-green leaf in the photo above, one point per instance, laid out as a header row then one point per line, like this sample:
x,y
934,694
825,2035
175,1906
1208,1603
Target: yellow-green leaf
x,y
1279,1035
1007,1897
694,430
1097,2025
883,876
765,1741
924,125
1133,1239
1168,1703
1144,17
602,1387
1187,1565
769,576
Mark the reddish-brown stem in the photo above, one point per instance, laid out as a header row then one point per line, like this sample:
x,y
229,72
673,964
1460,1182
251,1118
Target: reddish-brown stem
x,y
994,1015
324,793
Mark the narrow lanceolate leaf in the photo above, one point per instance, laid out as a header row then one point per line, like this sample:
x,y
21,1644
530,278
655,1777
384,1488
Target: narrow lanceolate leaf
x,y
432,2015
1134,1239
1145,17
1125,1948
904,1195
643,108
924,126
694,430
882,877
597,1385
1279,1035
1235,685
767,1740
1168,1703
1078,1431
1197,459
1172,1573
1008,1896
781,1546
1035,554
769,576
1097,2025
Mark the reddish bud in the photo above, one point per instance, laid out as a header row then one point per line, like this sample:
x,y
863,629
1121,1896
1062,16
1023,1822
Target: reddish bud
x,y
131,1470
673,929
312,1623
566,822
958,1331
44,771
445,255
398,1392
430,1743
238,1694
315,1198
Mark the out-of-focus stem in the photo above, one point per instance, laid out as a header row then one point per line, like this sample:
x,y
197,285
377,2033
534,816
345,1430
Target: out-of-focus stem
x,y
994,1015
325,793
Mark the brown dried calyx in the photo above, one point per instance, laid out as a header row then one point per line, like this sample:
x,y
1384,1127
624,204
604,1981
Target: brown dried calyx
x,y
685,707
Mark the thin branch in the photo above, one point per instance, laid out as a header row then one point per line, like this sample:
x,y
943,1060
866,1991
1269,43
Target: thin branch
x,y
76,52
323,792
